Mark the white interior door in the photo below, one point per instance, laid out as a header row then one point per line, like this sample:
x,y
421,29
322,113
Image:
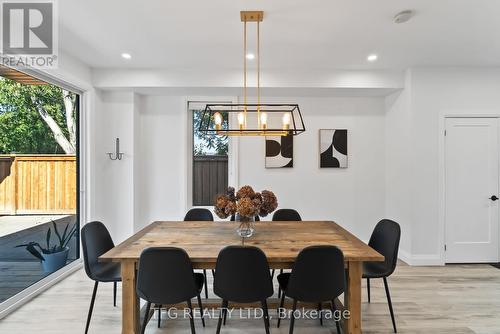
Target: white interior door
x,y
472,169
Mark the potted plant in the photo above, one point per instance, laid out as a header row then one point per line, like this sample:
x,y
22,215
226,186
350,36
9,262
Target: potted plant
x,y
245,205
52,256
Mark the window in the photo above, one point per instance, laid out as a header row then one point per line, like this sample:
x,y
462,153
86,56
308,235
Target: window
x,y
39,181
209,160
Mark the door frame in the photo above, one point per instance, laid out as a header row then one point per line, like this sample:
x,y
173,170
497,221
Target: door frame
x,y
442,174
233,151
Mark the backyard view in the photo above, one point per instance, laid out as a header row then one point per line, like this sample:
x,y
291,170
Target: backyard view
x,y
210,162
38,180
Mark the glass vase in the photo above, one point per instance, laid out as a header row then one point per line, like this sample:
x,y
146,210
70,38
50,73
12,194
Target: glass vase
x,y
245,229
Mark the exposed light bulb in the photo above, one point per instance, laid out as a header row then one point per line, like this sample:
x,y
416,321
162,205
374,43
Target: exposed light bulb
x,y
250,56
218,121
263,120
241,120
286,121
126,56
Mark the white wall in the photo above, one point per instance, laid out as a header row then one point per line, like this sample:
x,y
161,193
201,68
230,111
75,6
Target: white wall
x,y
72,71
353,196
213,78
431,94
162,136
138,156
398,132
113,181
395,147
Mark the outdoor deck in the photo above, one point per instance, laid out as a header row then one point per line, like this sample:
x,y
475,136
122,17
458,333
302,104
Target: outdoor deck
x,y
18,268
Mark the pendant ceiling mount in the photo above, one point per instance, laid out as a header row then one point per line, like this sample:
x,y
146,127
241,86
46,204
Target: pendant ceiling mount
x,y
252,119
252,16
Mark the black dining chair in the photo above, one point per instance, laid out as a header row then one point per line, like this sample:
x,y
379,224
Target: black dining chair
x,y
385,240
96,241
165,276
200,214
285,215
242,276
317,276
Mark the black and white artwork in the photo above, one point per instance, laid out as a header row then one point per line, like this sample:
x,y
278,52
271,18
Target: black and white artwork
x,y
279,152
333,148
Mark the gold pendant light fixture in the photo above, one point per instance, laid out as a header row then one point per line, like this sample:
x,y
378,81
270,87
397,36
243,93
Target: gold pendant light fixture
x,y
252,119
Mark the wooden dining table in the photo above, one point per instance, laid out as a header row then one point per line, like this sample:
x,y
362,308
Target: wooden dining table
x,y
280,241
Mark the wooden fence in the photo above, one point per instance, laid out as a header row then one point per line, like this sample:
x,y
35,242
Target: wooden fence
x,y
210,177
37,184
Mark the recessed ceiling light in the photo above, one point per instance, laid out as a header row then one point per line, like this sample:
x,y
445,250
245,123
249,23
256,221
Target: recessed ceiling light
x,y
126,56
373,57
250,56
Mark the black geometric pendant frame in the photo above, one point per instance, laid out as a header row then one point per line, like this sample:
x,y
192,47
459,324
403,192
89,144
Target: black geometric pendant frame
x,y
276,113
333,148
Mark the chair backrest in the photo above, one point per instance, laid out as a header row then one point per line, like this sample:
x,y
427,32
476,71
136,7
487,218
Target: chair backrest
x,y
165,276
242,275
317,275
96,241
286,215
385,240
199,214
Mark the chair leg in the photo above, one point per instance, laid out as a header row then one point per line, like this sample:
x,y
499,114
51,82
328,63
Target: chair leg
x,y
159,316
200,305
368,288
272,274
266,315
191,317
282,303
114,293
146,316
225,315
292,318
279,288
390,304
320,315
206,284
337,322
223,306
91,308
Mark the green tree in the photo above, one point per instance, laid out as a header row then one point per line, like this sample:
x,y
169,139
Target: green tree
x,y
205,142
36,118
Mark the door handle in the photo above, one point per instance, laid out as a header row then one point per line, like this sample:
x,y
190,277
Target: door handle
x,y
494,198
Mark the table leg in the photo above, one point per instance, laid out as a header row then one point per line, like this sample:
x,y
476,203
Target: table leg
x,y
130,301
353,297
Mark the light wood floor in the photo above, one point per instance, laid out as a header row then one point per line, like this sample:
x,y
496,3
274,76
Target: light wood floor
x,y
453,299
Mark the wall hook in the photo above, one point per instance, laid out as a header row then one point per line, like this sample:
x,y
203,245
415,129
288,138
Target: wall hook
x,y
117,155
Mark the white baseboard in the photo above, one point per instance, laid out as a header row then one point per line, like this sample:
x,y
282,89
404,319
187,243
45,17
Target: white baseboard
x,y
420,260
404,256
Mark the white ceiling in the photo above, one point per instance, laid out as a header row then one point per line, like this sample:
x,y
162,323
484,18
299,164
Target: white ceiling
x,y
296,34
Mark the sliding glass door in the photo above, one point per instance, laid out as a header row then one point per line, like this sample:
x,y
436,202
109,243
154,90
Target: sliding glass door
x,y
39,204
